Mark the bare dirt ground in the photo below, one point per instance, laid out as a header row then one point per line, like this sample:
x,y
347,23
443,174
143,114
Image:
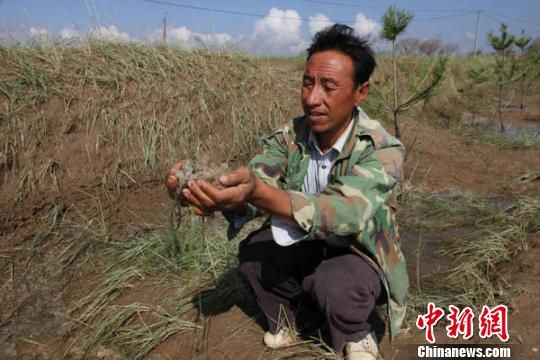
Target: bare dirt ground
x,y
35,291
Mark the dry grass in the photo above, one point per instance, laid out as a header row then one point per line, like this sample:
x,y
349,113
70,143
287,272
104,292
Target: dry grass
x,y
477,235
104,118
474,235
131,108
140,105
184,261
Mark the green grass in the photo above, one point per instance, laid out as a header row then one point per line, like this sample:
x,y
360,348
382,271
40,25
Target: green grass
x,y
133,330
180,259
486,135
519,141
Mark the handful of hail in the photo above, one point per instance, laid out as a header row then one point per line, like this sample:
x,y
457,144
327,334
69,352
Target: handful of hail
x,y
202,169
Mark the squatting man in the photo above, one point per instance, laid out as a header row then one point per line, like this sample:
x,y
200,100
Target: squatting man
x,y
328,183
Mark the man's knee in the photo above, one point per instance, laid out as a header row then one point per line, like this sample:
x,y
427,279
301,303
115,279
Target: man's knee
x,y
244,250
248,261
256,246
343,282
255,253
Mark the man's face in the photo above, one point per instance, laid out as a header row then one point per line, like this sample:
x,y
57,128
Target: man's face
x,y
329,94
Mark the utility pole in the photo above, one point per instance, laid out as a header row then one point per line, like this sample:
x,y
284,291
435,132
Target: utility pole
x,y
477,32
164,30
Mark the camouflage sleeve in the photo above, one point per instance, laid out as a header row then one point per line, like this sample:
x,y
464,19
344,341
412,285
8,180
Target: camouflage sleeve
x,y
269,165
348,205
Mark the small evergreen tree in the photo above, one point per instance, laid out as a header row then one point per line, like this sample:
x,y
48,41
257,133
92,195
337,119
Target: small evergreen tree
x,y
395,21
522,42
503,73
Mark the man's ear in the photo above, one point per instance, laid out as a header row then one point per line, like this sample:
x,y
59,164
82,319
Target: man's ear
x,y
361,93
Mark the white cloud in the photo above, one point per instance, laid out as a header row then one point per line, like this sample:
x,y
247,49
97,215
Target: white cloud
x,y
70,34
38,32
221,39
184,37
180,35
366,27
109,33
318,23
469,35
278,33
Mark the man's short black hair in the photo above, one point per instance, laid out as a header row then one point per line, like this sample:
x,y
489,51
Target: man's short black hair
x,y
343,38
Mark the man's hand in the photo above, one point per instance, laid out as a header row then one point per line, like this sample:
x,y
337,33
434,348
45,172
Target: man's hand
x,y
206,198
171,181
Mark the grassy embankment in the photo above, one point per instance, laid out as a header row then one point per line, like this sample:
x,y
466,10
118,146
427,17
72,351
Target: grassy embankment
x,y
81,129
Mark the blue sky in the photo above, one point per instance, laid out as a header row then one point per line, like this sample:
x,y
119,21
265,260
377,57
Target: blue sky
x,y
283,27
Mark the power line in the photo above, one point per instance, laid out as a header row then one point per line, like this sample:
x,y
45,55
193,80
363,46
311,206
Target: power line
x,y
457,12
258,15
335,3
500,20
493,15
233,12
356,5
513,18
447,16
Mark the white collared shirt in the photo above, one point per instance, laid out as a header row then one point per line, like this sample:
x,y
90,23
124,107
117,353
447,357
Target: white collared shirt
x,y
286,233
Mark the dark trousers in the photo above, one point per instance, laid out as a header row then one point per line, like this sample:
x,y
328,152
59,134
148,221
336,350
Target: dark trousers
x,y
343,286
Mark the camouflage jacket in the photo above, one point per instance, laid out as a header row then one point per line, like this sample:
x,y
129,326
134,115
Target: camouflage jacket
x,y
357,206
